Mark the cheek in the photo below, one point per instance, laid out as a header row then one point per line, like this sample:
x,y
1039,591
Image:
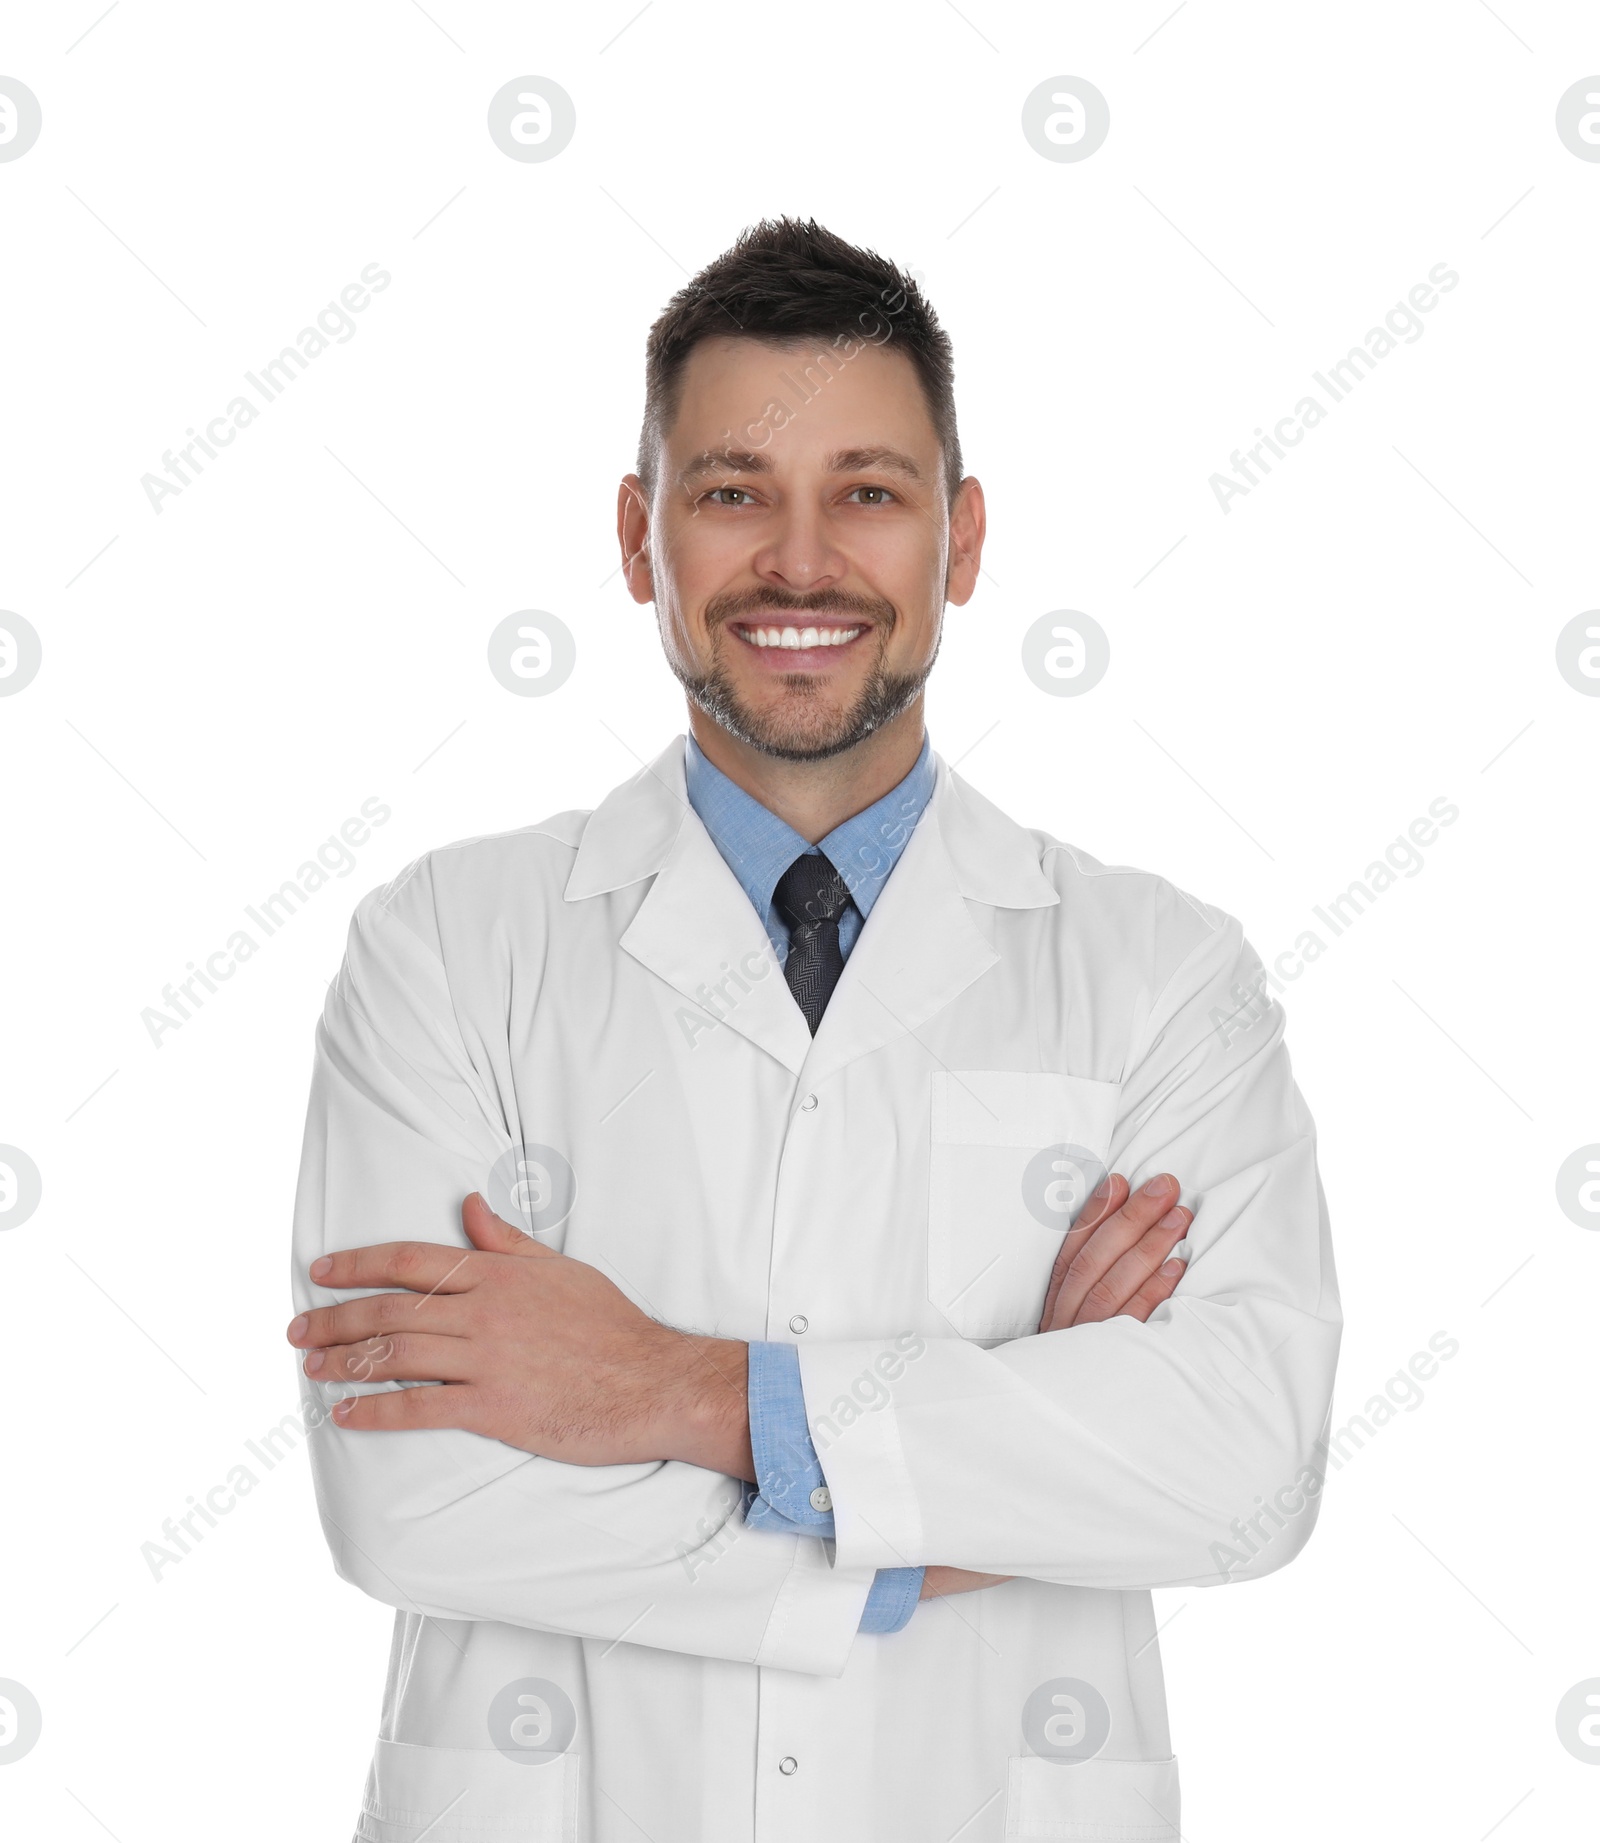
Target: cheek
x,y
918,633
905,563
699,561
675,593
916,587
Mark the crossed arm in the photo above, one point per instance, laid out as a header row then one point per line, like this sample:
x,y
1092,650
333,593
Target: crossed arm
x,y
544,1353
1159,1436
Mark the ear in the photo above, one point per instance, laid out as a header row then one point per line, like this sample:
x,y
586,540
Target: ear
x,y
493,1234
633,536
968,524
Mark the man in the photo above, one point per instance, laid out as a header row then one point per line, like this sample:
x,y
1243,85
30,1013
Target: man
x,y
799,1473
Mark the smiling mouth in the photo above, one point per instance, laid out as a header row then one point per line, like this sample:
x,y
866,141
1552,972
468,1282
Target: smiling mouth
x,y
792,638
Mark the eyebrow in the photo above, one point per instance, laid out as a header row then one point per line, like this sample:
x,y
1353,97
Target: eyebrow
x,y
727,461
866,460
844,461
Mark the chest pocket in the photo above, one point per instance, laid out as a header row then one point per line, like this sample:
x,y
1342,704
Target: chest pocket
x,y
1013,1159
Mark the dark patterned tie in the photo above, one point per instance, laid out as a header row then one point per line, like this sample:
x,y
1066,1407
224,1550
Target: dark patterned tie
x,y
811,896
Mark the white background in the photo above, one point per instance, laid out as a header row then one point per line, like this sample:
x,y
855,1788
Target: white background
x,y
1370,629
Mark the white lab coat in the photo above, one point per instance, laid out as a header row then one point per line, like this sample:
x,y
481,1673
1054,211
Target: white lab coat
x,y
858,1194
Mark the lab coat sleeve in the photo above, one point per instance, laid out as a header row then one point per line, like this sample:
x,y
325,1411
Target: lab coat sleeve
x,y
402,1125
1118,1454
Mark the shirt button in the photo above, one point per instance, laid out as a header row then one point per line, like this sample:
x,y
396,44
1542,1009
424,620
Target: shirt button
x,y
799,1322
788,1764
808,1105
822,1498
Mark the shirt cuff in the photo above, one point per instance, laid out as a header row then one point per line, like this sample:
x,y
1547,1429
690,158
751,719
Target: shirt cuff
x,y
792,1494
894,1596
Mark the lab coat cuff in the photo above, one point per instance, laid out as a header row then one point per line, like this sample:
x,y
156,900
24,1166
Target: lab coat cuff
x,y
817,1613
850,1396
793,1498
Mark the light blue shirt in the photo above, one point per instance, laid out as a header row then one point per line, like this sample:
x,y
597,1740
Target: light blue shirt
x,y
758,847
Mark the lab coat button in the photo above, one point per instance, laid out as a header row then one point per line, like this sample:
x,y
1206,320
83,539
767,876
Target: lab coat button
x,y
808,1105
799,1322
822,1498
788,1764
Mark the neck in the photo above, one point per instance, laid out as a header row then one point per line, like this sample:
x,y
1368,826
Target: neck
x,y
815,797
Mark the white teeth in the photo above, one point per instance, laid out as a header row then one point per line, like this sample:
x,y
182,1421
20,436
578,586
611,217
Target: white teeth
x,y
800,638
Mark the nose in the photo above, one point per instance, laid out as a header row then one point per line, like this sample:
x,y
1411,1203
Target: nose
x,y
799,552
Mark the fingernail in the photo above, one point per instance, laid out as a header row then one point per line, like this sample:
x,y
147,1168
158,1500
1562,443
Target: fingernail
x,y
1174,1219
341,1412
298,1328
1170,1268
1102,1190
1156,1186
323,1264
315,1361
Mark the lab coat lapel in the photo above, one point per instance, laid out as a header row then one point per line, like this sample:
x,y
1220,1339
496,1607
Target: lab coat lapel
x,y
920,948
696,928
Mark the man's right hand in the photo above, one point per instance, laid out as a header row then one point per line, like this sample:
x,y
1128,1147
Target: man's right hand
x,y
1114,1263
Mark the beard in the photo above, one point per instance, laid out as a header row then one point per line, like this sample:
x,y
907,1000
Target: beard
x,y
804,728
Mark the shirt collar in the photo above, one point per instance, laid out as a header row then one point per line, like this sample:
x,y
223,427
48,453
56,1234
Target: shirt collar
x,y
758,846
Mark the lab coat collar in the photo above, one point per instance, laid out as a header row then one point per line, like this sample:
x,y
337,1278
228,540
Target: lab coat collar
x,y
919,949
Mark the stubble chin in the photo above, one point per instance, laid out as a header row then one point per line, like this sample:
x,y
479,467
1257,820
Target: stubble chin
x,y
804,723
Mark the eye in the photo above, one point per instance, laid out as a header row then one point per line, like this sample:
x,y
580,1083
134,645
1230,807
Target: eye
x,y
880,495
731,496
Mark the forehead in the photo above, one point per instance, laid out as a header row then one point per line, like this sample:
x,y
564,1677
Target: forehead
x,y
800,398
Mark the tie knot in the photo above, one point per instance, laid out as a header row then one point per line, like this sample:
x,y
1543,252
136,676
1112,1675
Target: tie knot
x,y
811,891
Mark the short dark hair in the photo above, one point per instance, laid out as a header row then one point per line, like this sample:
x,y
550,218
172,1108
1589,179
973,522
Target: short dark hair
x,y
785,280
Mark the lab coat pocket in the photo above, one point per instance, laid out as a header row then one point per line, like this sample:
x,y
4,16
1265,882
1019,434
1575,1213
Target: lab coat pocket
x,y
1093,1801
467,1795
1013,1159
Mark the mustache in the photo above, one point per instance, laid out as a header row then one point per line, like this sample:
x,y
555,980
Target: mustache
x,y
738,605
